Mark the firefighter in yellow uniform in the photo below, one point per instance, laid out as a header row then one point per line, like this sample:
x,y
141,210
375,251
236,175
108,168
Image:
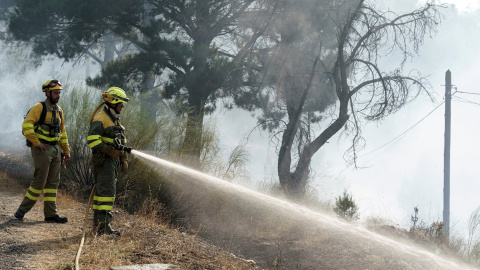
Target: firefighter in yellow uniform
x,y
44,128
105,135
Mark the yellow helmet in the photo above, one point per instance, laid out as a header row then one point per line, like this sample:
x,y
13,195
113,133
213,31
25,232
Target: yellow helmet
x,y
51,85
115,95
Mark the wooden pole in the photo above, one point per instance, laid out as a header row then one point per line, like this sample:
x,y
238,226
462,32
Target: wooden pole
x,y
446,154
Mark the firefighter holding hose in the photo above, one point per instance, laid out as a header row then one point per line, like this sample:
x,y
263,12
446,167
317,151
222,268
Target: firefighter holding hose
x,y
107,140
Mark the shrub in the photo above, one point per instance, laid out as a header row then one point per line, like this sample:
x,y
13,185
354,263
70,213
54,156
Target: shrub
x,y
345,207
78,104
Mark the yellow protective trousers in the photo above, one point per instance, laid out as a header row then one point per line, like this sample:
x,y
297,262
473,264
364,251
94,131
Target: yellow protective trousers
x,y
105,174
46,179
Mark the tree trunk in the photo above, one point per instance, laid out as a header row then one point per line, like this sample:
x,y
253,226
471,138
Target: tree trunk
x,y
192,144
294,184
109,50
289,185
198,89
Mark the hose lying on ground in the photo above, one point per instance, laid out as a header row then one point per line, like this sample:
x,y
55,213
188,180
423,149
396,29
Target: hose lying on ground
x,y
77,257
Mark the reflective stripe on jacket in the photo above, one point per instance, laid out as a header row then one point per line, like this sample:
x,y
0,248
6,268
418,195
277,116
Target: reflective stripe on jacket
x,y
35,132
104,129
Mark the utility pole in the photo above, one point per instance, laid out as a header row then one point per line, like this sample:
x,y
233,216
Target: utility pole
x,y
446,154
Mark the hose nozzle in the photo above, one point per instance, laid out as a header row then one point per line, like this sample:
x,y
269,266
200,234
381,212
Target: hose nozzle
x,y
119,146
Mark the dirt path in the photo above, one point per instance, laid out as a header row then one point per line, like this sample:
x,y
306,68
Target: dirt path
x,y
12,242
24,241
32,243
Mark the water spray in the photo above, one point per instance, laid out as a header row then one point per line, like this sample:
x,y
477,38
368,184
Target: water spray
x,y
347,237
271,217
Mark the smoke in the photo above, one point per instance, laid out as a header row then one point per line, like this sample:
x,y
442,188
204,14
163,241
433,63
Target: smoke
x,y
277,233
393,182
21,77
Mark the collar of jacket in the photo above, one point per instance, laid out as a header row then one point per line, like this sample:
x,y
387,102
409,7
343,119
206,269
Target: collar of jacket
x,y
112,114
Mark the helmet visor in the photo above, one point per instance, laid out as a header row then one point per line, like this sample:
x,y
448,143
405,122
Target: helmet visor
x,y
52,84
125,99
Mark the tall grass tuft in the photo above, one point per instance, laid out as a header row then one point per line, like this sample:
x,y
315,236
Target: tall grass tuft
x,y
78,104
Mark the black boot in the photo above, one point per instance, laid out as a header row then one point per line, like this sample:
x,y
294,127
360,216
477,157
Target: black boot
x,y
56,219
19,214
107,229
113,232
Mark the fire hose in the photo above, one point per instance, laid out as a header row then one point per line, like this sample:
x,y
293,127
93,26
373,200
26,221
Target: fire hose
x,y
77,257
117,145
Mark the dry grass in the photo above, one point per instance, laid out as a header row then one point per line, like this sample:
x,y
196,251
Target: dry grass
x,y
145,238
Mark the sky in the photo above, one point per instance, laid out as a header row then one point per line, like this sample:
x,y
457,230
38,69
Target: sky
x,y
463,6
394,179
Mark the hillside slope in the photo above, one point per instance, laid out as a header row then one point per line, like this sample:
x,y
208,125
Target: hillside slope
x,y
279,234
275,233
34,244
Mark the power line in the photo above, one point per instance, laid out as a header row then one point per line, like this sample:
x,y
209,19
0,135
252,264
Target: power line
x,y
459,99
405,132
468,102
397,138
410,128
470,93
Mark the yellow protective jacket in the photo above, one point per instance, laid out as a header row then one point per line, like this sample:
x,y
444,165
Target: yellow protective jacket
x,y
104,129
37,133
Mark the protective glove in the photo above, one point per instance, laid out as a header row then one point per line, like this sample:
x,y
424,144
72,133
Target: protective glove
x,y
124,166
123,160
110,151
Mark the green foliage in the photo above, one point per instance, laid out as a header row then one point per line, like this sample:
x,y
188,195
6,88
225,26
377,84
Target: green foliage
x,y
150,40
345,207
67,28
128,72
284,64
157,38
5,6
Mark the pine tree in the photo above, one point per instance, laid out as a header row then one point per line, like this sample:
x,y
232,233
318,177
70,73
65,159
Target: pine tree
x,y
345,207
